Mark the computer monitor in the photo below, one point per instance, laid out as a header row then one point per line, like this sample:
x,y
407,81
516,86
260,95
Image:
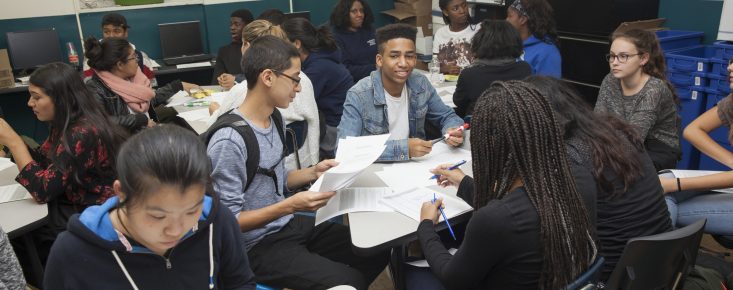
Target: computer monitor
x,y
180,39
32,49
300,14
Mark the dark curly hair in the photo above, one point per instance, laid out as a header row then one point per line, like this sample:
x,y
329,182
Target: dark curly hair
x,y
340,14
393,31
541,20
496,39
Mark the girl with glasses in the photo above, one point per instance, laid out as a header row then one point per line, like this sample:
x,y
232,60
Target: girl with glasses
x,y
637,90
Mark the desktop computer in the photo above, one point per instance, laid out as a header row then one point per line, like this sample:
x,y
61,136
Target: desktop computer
x,y
181,43
31,49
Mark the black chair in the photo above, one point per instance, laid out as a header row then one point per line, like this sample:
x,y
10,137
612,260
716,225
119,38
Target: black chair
x,y
659,261
295,134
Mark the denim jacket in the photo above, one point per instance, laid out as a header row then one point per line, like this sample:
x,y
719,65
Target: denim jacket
x,y
365,113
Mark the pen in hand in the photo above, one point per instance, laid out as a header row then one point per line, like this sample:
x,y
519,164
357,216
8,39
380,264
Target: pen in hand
x,y
435,176
450,229
447,135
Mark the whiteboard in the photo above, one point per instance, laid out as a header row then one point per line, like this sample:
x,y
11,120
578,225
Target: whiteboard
x,y
725,31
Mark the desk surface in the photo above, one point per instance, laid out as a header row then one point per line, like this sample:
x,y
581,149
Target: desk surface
x,y
16,89
17,217
375,231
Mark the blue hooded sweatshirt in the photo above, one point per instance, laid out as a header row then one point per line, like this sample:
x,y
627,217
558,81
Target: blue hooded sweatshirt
x,y
331,80
359,49
90,255
543,56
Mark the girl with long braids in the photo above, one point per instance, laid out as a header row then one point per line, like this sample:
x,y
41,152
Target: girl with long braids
x,y
530,229
622,177
638,92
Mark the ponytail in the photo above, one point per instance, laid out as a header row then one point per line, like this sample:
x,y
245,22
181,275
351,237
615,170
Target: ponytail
x,y
311,39
325,38
103,55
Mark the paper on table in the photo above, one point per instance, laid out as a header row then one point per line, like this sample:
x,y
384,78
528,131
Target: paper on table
x,y
195,115
180,98
354,155
404,176
195,64
13,192
679,173
8,171
353,200
410,202
443,153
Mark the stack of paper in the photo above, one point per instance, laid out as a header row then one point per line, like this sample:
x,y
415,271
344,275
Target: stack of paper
x,y
446,95
13,192
416,173
409,203
354,155
182,97
9,189
353,200
696,173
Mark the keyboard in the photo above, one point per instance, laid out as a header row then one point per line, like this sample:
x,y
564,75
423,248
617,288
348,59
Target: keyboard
x,y
187,59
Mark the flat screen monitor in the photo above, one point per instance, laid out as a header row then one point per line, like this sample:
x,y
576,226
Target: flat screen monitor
x,y
300,14
31,49
180,39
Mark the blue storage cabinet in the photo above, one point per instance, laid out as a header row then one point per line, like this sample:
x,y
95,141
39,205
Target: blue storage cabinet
x,y
693,101
676,39
694,59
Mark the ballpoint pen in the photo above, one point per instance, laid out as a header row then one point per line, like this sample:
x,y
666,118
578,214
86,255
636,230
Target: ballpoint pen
x,y
463,127
450,229
449,168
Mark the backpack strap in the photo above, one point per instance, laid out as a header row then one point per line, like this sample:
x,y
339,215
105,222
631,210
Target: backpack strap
x,y
237,123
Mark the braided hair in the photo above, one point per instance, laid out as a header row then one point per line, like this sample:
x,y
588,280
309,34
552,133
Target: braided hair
x,y
515,137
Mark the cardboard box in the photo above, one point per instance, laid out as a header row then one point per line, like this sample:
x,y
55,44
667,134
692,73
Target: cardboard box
x,y
404,15
651,25
6,71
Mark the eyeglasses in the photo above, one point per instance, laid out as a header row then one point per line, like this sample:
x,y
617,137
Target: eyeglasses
x,y
295,80
132,58
622,58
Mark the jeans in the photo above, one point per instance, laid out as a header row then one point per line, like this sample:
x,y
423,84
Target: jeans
x,y
687,207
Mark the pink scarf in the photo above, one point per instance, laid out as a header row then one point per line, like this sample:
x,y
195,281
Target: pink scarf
x,y
136,92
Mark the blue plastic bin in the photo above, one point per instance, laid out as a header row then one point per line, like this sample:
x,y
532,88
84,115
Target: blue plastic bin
x,y
718,83
685,79
723,49
674,39
719,66
693,102
695,59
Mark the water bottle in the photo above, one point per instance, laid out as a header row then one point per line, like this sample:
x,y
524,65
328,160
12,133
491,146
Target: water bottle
x,y
73,56
434,67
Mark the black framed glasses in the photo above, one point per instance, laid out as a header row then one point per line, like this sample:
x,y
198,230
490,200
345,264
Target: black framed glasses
x,y
294,79
132,58
622,58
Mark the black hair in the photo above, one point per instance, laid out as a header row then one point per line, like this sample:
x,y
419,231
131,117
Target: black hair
x,y
443,4
162,155
104,55
496,39
613,143
115,19
311,38
393,31
340,15
74,106
275,16
515,137
243,14
540,20
266,52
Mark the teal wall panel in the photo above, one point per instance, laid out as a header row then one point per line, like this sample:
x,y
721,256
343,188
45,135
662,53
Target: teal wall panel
x,y
697,15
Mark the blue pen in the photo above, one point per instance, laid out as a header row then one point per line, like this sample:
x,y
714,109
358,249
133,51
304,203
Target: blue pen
x,y
445,218
435,176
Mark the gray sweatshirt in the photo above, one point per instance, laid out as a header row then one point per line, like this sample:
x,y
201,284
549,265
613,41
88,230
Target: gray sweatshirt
x,y
11,276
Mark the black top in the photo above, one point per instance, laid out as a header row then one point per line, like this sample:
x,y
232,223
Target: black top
x,y
501,248
640,211
228,60
476,79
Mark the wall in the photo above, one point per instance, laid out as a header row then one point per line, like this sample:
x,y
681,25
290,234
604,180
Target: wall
x,y
697,15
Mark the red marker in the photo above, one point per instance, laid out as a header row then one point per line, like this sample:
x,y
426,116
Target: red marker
x,y
463,127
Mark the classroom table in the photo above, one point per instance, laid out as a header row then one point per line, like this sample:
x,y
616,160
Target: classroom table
x,y
372,232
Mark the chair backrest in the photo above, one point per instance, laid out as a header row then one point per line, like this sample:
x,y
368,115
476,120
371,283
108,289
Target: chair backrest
x,y
295,138
590,277
659,261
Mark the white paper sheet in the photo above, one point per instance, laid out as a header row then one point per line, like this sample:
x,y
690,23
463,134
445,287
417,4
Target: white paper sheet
x,y
8,171
195,115
410,202
353,200
404,176
13,192
354,155
442,153
679,173
178,99
194,64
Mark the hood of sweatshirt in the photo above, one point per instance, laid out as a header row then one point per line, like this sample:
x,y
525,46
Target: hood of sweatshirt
x,y
533,40
95,225
331,55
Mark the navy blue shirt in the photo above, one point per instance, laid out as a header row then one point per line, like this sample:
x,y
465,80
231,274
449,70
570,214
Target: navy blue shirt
x,y
358,50
330,81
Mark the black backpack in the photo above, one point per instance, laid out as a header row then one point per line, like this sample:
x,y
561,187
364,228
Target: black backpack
x,y
252,164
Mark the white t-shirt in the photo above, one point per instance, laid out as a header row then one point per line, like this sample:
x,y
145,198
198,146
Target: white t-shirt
x,y
454,47
398,115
